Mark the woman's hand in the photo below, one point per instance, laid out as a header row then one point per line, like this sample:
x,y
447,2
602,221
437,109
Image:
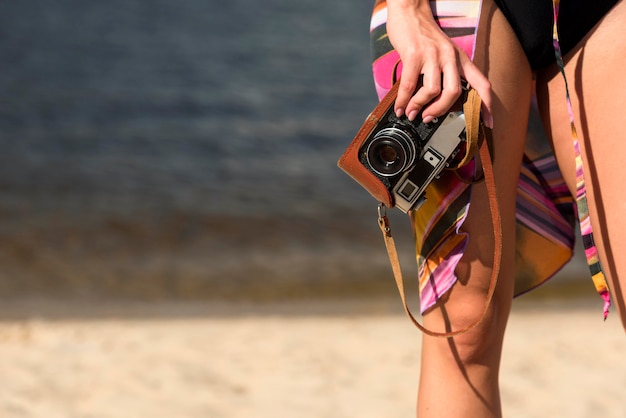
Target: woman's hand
x,y
426,51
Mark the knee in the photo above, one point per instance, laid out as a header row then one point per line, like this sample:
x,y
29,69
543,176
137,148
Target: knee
x,y
482,344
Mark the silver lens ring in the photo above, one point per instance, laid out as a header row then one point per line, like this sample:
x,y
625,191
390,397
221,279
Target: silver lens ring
x,y
390,152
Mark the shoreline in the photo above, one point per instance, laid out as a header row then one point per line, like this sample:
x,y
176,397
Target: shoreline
x,y
551,297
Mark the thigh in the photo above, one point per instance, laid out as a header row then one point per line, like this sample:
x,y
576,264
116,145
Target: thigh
x,y
500,56
598,91
466,367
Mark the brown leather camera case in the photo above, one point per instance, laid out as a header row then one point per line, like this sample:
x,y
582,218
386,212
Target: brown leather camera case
x,y
349,161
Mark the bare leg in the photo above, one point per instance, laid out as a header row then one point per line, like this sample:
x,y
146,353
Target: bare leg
x,y
459,376
598,88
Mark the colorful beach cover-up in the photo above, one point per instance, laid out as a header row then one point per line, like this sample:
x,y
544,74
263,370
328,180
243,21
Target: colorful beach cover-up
x,y
546,211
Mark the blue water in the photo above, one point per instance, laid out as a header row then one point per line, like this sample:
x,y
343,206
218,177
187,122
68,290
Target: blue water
x,y
153,148
128,106
160,148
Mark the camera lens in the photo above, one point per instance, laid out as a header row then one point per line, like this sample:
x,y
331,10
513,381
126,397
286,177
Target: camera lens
x,y
390,152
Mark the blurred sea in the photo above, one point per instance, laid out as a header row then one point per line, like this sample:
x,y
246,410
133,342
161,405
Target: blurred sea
x,y
160,149
180,149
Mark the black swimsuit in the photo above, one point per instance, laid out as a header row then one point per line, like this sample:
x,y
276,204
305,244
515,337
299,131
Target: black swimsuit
x,y
532,22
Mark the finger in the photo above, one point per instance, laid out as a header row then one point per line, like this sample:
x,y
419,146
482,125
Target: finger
x,y
483,87
449,94
408,84
429,90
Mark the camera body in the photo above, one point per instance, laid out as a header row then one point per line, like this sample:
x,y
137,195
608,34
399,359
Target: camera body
x,y
406,156
395,159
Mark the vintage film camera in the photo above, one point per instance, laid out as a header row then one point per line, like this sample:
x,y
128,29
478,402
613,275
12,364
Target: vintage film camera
x,y
395,159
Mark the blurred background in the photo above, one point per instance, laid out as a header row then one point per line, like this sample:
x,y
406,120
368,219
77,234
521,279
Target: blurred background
x,y
176,239
165,150
159,149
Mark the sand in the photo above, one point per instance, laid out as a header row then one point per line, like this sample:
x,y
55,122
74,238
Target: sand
x,y
298,359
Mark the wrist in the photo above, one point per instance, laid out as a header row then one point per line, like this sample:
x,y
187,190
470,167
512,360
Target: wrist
x,y
412,9
408,4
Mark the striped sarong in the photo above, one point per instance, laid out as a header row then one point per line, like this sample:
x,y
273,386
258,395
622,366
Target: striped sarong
x,y
546,215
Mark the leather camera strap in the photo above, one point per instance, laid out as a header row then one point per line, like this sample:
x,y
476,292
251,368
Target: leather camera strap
x,y
473,128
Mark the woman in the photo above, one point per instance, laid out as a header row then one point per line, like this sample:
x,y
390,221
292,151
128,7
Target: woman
x,y
513,60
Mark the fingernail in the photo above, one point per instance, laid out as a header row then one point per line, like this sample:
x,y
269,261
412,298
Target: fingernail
x,y
399,112
427,119
412,115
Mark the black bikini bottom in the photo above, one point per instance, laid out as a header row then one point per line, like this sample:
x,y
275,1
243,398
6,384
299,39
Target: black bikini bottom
x,y
532,22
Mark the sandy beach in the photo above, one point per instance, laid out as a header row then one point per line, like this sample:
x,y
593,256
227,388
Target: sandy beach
x,y
308,359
